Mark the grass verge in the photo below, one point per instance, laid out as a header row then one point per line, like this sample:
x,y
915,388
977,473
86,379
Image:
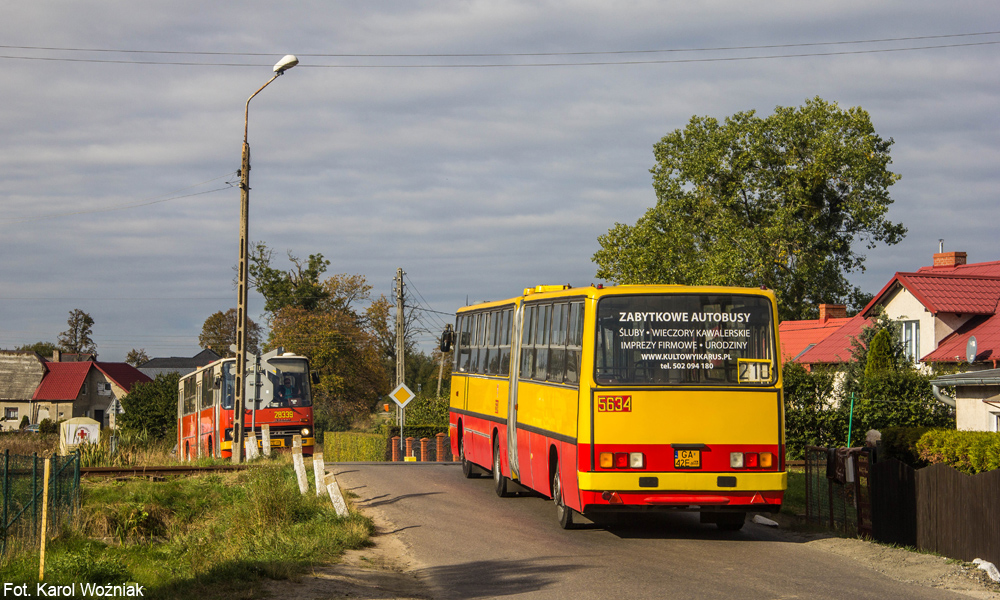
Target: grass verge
x,y
208,536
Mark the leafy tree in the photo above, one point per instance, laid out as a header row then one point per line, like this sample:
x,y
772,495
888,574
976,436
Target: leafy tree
x,y
137,357
77,338
422,373
343,347
219,333
811,419
45,349
778,201
893,350
298,287
151,407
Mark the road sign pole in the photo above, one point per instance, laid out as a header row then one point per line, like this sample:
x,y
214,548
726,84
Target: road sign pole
x,y
401,396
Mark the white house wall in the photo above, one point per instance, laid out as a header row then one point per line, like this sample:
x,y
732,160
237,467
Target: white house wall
x,y
903,306
973,414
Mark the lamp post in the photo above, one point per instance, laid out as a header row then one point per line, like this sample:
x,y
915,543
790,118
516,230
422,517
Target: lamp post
x,y
239,403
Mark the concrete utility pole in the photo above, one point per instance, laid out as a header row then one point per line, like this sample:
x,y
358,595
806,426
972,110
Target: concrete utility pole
x,y
239,404
400,330
400,352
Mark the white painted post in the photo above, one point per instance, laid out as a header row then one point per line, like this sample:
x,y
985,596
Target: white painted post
x,y
335,496
265,436
251,442
299,463
319,472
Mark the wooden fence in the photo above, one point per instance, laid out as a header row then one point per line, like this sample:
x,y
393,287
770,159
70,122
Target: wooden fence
x,y
957,514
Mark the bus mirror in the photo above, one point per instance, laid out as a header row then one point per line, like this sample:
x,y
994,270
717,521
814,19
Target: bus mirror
x,y
217,383
314,377
447,338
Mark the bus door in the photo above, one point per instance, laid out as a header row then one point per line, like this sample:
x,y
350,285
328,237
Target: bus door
x,y
515,362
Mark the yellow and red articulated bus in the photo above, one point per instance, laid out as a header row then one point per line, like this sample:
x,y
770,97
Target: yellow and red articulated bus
x,y
624,399
282,401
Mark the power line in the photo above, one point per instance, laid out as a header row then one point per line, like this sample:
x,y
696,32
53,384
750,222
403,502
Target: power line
x,y
514,55
146,202
500,54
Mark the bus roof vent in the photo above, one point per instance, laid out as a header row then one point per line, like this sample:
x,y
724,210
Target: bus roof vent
x,y
538,289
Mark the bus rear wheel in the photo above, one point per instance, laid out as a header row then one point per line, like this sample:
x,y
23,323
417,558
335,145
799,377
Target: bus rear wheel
x,y
468,470
564,514
499,481
730,521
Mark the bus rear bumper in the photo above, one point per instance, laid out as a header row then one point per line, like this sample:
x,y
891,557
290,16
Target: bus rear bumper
x,y
759,492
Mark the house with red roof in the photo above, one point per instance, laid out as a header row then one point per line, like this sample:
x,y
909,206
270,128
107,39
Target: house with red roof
x,y
948,313
799,337
83,389
20,374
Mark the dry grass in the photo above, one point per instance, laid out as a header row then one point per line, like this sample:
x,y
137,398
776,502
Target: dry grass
x,y
26,444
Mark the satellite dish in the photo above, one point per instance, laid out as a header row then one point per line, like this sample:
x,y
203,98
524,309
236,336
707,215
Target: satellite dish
x,y
970,350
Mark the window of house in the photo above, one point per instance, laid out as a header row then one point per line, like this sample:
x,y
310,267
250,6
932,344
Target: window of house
x,y
911,339
10,413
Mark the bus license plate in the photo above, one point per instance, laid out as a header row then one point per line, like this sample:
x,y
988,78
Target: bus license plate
x,y
687,459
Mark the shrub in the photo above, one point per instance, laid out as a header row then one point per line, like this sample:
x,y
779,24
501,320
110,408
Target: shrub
x,y
901,443
967,451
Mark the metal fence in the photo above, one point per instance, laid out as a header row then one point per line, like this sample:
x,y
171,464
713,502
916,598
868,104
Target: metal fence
x,y
22,481
838,492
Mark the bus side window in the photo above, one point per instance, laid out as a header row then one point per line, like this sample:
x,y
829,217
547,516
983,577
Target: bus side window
x,y
527,369
190,391
542,342
557,346
574,342
463,351
504,342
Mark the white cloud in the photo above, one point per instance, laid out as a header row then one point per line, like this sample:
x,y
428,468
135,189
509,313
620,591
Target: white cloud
x,y
478,182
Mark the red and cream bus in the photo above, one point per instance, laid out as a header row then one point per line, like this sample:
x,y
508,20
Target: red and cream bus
x,y
282,400
622,399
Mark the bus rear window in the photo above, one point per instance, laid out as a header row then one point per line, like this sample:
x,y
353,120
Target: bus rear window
x,y
702,339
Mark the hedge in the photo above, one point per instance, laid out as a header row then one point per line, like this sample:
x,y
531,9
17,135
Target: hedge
x,y
967,451
346,446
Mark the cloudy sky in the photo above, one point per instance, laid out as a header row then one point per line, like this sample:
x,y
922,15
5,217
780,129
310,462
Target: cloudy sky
x,y
480,146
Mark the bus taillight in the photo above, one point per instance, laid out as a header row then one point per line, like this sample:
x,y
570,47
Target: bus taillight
x,y
751,460
622,460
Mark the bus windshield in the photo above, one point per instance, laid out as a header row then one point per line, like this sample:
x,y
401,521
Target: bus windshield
x,y
669,339
285,384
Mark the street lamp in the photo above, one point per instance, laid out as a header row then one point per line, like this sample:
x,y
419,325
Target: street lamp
x,y
239,404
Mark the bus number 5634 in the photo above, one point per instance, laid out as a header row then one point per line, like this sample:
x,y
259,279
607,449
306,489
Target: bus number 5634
x,y
614,404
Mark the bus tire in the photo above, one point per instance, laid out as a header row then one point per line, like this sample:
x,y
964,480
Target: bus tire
x,y
731,521
499,481
564,514
468,470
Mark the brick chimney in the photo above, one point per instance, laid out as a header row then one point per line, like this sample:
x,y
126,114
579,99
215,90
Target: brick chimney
x,y
944,260
832,311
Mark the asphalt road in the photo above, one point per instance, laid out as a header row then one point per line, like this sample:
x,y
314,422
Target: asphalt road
x,y
468,543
